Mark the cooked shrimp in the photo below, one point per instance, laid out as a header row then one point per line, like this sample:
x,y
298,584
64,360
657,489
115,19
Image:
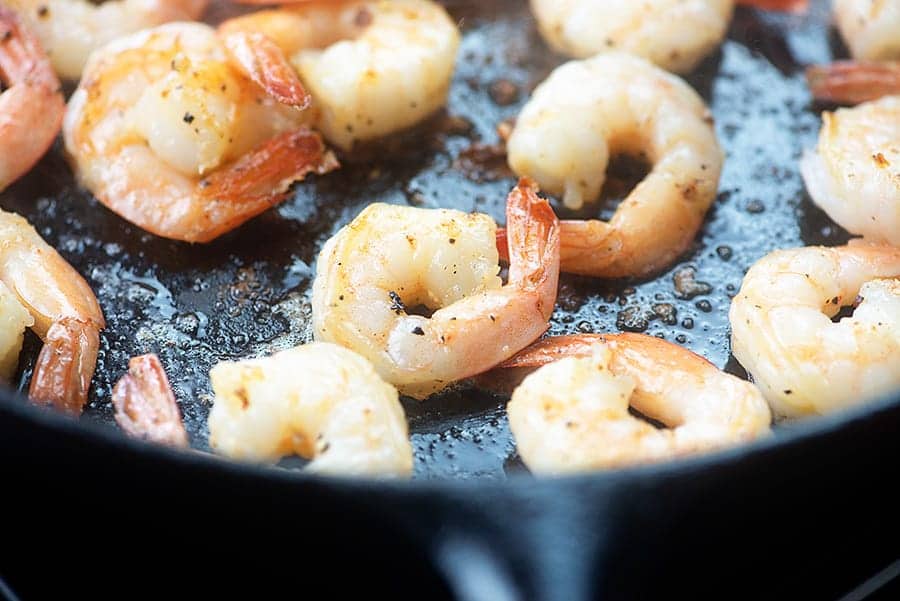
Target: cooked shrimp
x,y
871,28
320,401
31,106
572,413
372,67
64,313
854,172
616,103
145,406
71,29
783,334
851,82
167,130
14,318
392,257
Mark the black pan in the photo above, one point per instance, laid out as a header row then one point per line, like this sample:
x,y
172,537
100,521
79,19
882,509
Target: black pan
x,y
473,523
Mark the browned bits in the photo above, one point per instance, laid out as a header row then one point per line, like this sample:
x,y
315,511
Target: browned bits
x,y
503,92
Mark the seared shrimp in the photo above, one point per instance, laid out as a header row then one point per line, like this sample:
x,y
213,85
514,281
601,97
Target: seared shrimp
x,y
572,413
871,28
674,34
372,67
391,258
31,105
783,333
71,29
616,103
145,406
14,318
167,129
854,172
320,401
64,313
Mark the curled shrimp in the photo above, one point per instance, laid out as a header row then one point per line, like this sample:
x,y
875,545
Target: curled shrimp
x,y
853,174
870,28
391,259
145,406
64,314
784,336
616,103
373,67
31,105
320,401
71,29
853,82
572,413
14,318
169,129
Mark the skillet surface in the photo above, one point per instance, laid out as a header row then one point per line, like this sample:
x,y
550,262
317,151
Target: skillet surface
x,y
247,294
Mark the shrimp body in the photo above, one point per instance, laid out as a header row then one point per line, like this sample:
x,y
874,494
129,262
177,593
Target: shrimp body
x,y
372,67
63,311
619,104
871,28
854,172
71,29
783,334
673,34
320,401
391,258
31,106
572,413
168,130
14,318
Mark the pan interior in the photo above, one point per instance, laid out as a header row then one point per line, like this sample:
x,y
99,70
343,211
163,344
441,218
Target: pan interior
x,y
248,293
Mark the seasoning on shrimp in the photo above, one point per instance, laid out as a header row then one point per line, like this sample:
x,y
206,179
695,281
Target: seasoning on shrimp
x,y
614,103
320,401
223,145
784,336
31,105
372,67
447,261
572,414
853,174
63,311
71,29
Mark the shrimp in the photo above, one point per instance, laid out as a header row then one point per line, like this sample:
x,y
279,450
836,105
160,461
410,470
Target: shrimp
x,y
145,406
63,311
870,28
14,318
854,172
372,67
71,29
320,401
784,336
169,129
31,106
572,413
853,82
392,258
616,103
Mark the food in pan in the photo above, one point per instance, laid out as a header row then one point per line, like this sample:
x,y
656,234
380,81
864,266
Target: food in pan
x,y
64,313
145,406
71,29
853,174
372,67
320,401
31,106
572,414
612,104
392,259
14,318
784,336
870,28
167,131
852,82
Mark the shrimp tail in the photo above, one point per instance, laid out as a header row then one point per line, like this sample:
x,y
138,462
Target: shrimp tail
x,y
533,233
853,82
65,365
790,6
145,406
260,59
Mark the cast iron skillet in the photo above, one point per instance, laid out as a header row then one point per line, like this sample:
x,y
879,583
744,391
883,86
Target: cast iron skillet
x,y
472,524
